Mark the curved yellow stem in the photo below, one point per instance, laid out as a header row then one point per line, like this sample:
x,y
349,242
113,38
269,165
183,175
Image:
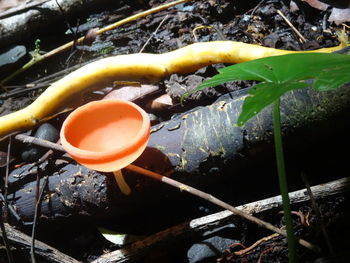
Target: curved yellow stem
x,y
139,67
122,184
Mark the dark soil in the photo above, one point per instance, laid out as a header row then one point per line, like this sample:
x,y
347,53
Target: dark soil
x,y
246,21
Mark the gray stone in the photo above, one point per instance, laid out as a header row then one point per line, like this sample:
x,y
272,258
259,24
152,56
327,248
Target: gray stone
x,y
45,131
208,249
12,55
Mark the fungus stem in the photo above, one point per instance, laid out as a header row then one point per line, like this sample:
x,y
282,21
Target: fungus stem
x,y
119,178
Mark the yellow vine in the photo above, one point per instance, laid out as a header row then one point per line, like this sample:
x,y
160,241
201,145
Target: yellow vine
x,y
141,67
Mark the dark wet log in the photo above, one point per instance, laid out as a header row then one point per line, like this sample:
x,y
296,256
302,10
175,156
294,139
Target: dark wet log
x,y
14,27
209,136
203,148
44,251
204,226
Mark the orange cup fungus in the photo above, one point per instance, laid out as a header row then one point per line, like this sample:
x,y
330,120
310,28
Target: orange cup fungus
x,y
106,135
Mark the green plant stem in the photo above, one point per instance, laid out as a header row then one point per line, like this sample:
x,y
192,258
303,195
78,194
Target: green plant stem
x,y
283,182
20,70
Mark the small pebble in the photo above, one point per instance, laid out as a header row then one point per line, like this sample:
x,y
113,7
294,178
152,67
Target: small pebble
x,y
209,249
12,59
46,131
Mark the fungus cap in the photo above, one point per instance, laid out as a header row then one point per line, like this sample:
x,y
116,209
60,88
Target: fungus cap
x,y
106,135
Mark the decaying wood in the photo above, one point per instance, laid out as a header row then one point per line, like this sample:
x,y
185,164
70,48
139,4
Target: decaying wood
x,y
209,136
43,250
21,8
28,21
184,188
203,148
198,227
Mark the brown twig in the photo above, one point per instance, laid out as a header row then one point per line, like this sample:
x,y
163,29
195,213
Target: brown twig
x,y
257,243
41,82
216,29
74,32
203,226
4,216
36,141
23,90
154,33
216,201
98,32
301,38
188,189
45,251
37,211
11,209
6,242
318,213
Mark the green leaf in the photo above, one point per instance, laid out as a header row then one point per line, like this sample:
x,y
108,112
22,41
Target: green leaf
x,y
280,74
262,95
332,79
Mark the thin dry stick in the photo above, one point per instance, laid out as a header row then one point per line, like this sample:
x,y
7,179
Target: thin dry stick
x,y
257,243
22,91
217,30
216,201
189,189
41,82
301,38
318,213
194,31
154,33
36,141
4,216
10,208
98,32
203,226
37,208
6,242
46,252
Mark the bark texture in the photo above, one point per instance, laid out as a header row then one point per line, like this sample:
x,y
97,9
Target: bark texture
x,y
203,148
205,226
26,22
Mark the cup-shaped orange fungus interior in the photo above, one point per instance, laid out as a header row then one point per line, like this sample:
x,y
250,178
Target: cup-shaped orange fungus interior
x,y
106,135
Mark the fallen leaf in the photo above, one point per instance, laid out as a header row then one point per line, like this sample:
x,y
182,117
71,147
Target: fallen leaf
x,y
161,103
131,93
339,16
317,4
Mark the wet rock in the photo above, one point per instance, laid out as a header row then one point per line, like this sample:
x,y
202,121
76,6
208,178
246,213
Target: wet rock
x,y
46,132
208,250
12,58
